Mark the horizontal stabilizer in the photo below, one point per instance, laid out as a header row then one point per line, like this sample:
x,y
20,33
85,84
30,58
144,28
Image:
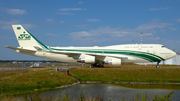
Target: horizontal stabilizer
x,y
20,49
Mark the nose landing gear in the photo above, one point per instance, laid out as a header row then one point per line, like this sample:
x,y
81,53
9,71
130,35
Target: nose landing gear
x,y
157,66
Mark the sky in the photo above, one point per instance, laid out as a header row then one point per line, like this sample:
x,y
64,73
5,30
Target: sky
x,y
82,23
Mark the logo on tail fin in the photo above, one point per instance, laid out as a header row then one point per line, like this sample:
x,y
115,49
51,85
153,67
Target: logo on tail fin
x,y
24,36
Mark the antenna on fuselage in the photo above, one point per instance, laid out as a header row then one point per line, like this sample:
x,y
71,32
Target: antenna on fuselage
x,y
141,37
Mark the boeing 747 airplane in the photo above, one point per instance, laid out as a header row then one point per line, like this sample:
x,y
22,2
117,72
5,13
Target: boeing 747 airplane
x,y
95,56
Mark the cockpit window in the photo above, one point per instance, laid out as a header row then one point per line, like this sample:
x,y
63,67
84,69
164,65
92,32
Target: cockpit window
x,y
162,46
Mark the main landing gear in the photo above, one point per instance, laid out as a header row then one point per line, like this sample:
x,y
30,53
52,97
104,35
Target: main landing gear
x,y
96,65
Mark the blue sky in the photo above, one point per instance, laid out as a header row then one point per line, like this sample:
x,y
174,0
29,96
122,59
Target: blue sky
x,y
90,23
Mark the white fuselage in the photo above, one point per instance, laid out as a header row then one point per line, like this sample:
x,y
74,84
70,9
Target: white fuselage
x,y
137,53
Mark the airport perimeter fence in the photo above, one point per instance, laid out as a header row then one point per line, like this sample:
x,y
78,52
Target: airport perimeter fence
x,y
65,65
13,67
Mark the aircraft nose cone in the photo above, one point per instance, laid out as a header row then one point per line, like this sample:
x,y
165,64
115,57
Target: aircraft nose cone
x,y
173,54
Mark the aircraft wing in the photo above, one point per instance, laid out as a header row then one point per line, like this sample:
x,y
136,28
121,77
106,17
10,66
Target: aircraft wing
x,y
76,55
65,52
57,52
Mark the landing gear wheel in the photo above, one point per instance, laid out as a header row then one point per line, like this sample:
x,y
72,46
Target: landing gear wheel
x,y
101,66
91,66
96,65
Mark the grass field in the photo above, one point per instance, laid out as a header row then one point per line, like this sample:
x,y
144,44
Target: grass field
x,y
18,83
27,82
129,74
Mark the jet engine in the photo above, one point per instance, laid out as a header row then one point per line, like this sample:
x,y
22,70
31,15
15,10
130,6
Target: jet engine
x,y
113,62
87,59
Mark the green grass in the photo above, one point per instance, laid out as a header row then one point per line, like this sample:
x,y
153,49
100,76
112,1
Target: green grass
x,y
19,83
26,82
160,75
84,97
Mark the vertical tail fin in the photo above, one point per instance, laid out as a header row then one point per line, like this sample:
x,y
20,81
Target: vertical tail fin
x,y
26,39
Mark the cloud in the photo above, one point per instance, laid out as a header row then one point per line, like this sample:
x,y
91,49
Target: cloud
x,y
51,34
28,26
161,8
92,20
81,2
16,11
81,34
50,20
8,25
61,22
178,20
153,25
66,13
156,20
72,9
103,31
147,34
64,10
108,34
6,37
173,29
